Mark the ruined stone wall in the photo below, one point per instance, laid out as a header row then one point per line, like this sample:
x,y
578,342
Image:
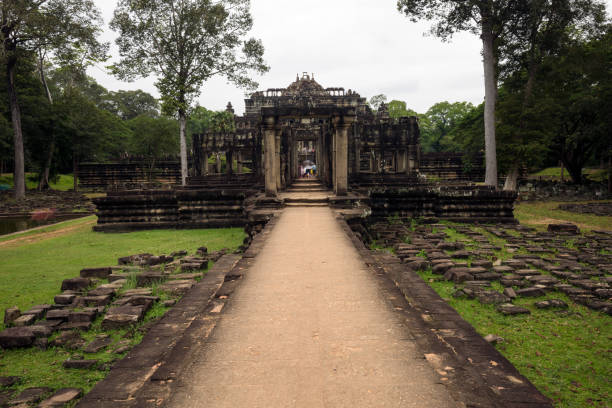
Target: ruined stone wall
x,y
180,209
462,204
106,175
447,166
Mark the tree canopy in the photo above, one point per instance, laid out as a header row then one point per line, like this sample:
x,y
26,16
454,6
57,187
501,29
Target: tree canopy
x,y
185,43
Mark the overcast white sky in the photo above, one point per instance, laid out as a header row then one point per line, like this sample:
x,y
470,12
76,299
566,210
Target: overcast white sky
x,y
363,45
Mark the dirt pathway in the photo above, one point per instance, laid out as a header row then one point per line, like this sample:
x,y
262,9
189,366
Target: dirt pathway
x,y
308,327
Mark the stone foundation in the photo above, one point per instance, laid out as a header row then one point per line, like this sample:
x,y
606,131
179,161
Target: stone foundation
x,y
172,209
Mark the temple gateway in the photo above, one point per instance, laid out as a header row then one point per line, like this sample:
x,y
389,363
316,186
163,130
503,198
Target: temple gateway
x,y
364,163
331,129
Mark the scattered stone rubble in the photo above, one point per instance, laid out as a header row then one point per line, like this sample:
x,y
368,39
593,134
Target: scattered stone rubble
x,y
120,303
541,263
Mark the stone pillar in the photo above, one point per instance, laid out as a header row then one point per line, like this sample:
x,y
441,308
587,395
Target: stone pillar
x,y
269,156
218,162
357,164
411,160
205,163
277,159
229,162
239,162
343,125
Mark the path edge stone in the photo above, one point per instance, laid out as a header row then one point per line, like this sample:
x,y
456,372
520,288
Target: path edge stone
x,y
481,377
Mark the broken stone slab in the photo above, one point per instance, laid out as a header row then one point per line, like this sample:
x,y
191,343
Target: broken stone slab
x,y
30,395
482,263
15,337
117,276
588,284
10,315
458,275
76,284
58,314
510,293
566,228
42,331
83,326
193,266
510,309
138,292
24,320
100,273
543,280
103,291
489,276
9,381
122,316
64,299
131,259
551,303
418,265
503,269
179,276
61,398
96,300
71,340
148,279
603,293
98,344
461,255
82,316
531,292
491,297
177,254
79,364
442,268
450,246
177,287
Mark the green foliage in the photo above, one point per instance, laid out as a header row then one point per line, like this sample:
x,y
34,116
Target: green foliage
x,y
131,104
539,214
202,120
397,109
153,138
438,123
185,44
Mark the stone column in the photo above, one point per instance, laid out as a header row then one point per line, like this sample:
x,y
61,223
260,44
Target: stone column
x,y
239,161
343,125
277,159
269,156
357,164
411,160
229,162
218,162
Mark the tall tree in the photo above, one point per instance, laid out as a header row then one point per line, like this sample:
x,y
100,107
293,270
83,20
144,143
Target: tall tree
x,y
130,104
34,25
185,43
441,119
489,19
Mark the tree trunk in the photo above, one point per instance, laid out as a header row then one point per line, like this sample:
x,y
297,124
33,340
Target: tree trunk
x,y
490,80
610,174
75,171
43,184
183,142
19,172
562,172
512,178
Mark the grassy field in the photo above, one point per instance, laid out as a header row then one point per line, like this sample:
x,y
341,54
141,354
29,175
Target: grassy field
x,y
34,264
565,354
539,214
62,182
32,270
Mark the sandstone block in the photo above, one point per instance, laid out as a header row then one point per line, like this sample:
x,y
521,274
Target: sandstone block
x,y
76,284
100,273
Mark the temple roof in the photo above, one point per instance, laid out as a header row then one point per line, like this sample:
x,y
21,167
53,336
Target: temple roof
x,y
305,86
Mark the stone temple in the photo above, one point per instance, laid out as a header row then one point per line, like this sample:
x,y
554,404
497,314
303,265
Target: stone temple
x,y
367,161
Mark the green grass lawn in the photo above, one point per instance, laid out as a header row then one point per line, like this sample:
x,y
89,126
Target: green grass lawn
x,y
62,182
540,214
565,355
31,273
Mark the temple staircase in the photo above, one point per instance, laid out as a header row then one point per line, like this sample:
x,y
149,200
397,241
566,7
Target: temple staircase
x,y
307,193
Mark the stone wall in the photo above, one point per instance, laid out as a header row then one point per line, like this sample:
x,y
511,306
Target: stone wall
x,y
532,190
452,166
180,209
106,175
460,203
